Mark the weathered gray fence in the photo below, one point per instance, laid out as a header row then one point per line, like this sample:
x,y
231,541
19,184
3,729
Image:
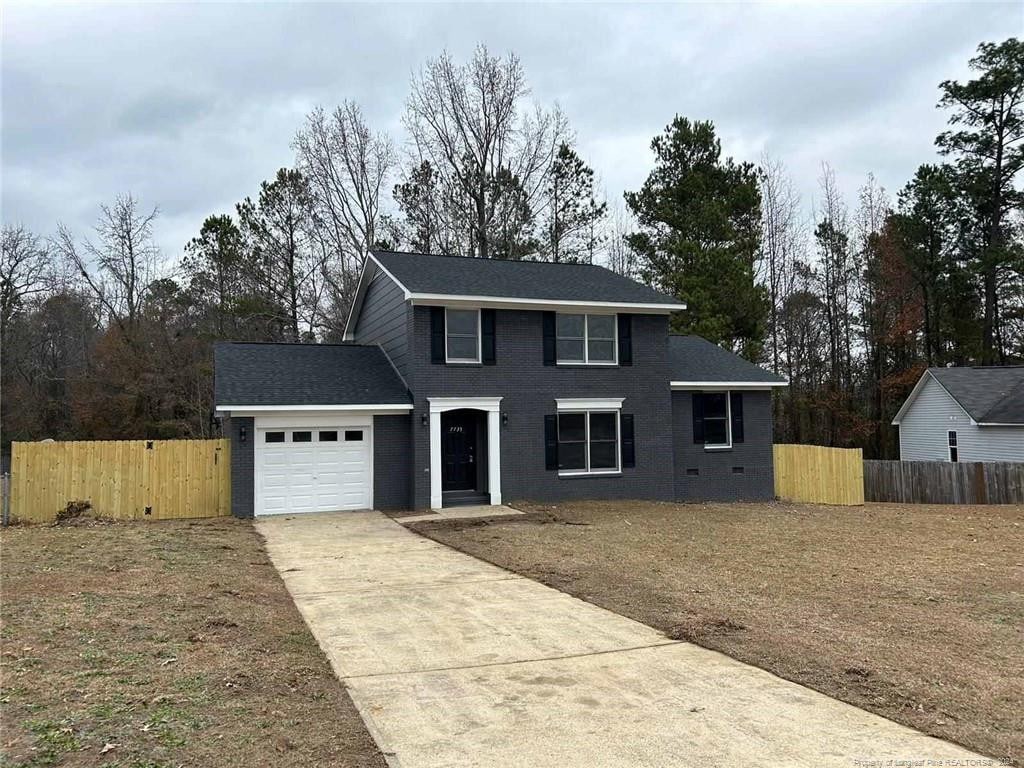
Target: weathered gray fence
x,y
944,482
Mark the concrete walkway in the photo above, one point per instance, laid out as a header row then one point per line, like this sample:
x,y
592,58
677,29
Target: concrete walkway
x,y
455,662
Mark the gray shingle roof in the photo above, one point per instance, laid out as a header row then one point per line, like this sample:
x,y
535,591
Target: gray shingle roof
x,y
461,276
990,394
304,374
695,359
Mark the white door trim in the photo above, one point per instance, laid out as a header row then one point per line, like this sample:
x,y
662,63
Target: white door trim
x,y
492,405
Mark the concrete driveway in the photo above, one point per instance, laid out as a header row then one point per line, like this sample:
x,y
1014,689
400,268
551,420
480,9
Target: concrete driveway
x,y
455,662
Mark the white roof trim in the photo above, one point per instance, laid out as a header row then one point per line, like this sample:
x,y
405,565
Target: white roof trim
x,y
913,396
1000,423
511,302
346,407
588,403
727,384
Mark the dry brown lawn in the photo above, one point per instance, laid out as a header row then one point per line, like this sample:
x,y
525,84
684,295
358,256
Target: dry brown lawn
x,y
142,645
913,612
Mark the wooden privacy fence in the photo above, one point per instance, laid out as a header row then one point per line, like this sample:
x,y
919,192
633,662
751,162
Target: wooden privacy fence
x,y
820,475
121,479
944,482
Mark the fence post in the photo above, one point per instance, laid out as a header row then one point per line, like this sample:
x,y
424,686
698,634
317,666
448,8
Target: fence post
x,y
5,499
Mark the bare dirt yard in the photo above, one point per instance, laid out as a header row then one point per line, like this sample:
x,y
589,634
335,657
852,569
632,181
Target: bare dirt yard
x,y
142,645
914,612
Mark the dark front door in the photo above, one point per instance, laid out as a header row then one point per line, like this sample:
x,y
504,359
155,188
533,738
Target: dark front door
x,y
459,450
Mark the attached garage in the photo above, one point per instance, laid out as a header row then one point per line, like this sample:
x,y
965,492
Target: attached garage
x,y
301,419
318,469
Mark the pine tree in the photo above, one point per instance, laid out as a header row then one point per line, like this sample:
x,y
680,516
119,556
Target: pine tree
x,y
699,223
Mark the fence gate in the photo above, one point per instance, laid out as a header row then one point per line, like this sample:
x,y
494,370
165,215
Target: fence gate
x,y
121,479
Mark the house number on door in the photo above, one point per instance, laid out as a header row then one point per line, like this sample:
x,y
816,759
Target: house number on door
x,y
455,429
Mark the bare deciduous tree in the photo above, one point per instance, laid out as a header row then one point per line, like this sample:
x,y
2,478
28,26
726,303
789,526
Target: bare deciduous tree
x,y
24,267
121,263
469,122
347,166
621,258
783,235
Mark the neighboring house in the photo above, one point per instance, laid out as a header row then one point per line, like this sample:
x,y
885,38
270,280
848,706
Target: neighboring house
x,y
473,381
964,414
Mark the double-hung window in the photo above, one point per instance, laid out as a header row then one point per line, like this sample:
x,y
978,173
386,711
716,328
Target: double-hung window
x,y
462,335
586,339
588,442
716,420
954,454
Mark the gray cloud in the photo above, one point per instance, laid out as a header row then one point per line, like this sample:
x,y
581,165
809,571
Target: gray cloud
x,y
191,106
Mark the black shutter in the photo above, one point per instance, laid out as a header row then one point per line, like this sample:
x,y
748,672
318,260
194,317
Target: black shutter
x,y
698,417
487,336
551,442
549,338
625,339
437,334
628,445
736,410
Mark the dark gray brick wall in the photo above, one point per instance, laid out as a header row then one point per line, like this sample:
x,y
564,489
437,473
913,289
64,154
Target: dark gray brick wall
x,y
383,320
392,462
241,465
716,480
529,389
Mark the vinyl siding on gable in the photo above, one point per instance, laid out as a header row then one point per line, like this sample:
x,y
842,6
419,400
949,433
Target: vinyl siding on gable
x,y
933,413
384,321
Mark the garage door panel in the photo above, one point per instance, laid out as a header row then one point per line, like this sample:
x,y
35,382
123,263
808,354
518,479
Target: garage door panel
x,y
320,475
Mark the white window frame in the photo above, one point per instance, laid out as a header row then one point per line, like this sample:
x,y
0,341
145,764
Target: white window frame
x,y
479,339
950,446
586,339
586,441
728,421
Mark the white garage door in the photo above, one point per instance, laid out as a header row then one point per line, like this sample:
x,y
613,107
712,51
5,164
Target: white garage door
x,y
312,469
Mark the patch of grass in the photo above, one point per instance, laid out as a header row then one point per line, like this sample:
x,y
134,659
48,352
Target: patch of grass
x,y
162,639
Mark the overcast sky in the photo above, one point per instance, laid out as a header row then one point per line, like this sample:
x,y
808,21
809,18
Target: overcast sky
x,y
190,106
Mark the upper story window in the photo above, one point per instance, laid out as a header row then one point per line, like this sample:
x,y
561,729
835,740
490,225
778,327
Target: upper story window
x,y
586,339
462,335
954,453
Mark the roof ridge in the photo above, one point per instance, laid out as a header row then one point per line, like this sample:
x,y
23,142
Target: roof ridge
x,y
510,261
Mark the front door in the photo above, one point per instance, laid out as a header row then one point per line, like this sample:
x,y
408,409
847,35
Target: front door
x,y
459,450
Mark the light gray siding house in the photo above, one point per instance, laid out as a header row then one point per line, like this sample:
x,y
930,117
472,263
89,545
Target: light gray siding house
x,y
473,381
964,414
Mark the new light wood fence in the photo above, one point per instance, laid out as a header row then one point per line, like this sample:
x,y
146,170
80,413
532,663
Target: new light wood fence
x,y
944,482
820,475
121,479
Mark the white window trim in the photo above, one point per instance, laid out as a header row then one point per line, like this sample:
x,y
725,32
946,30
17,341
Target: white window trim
x,y
586,339
728,421
589,404
586,442
950,447
479,340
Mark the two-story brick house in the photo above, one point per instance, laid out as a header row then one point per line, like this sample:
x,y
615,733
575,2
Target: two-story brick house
x,y
473,381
